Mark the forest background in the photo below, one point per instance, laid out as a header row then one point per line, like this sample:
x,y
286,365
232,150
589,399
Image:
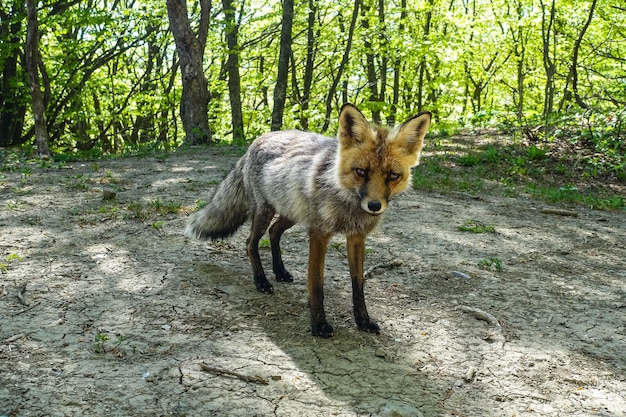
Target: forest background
x,y
98,77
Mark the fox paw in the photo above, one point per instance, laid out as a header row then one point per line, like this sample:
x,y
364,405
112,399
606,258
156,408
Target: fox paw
x,y
367,325
284,276
264,286
321,330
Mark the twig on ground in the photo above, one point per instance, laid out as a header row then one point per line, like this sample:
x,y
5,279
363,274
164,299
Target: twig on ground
x,y
480,315
467,195
21,295
26,309
460,275
394,263
559,212
254,379
13,338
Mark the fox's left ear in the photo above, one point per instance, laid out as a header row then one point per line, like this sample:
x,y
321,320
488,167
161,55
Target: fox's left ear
x,y
411,134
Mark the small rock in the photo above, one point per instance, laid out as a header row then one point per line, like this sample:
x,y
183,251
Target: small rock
x,y
380,353
399,409
108,194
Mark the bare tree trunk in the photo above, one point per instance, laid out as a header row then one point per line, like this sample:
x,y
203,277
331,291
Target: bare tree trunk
x,y
370,59
232,67
190,48
280,90
572,76
422,65
397,69
342,65
308,67
12,104
32,67
547,30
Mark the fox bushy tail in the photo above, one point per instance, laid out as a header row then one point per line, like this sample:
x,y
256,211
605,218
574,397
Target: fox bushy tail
x,y
225,213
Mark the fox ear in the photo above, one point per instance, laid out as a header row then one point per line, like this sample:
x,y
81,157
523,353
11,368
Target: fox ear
x,y
353,127
411,134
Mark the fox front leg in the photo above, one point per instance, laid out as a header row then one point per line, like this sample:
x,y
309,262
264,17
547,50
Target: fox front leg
x,y
356,256
318,243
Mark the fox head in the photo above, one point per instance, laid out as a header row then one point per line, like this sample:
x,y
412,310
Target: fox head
x,y
376,162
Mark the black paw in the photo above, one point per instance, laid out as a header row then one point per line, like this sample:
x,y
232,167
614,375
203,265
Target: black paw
x,y
321,330
367,325
263,285
283,276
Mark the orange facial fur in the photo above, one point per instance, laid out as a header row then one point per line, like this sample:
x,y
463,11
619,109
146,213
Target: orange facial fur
x,y
374,161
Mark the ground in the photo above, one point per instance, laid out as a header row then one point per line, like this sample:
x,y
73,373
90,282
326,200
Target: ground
x,y
108,310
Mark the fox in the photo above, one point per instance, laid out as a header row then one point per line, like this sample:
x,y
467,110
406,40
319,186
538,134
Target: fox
x,y
333,186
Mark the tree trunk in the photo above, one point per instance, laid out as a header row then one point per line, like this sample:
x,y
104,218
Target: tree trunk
x,y
370,59
422,65
547,30
31,51
12,93
232,67
572,77
342,66
397,69
190,48
280,90
309,66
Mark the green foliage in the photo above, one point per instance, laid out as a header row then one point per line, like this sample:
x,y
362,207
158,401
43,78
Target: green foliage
x,y
112,76
511,168
475,226
10,258
489,263
103,344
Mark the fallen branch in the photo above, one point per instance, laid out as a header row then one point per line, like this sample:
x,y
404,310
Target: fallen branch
x,y
461,275
480,315
254,379
13,338
21,295
26,309
394,263
559,212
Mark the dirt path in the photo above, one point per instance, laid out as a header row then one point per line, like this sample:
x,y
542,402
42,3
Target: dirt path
x,y
120,311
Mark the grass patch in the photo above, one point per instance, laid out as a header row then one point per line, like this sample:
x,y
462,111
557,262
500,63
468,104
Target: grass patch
x,y
474,226
488,264
490,164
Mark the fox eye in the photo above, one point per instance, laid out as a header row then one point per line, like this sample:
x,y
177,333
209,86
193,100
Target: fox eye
x,y
361,172
393,176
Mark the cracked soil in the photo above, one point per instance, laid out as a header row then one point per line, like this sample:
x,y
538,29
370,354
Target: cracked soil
x,y
106,309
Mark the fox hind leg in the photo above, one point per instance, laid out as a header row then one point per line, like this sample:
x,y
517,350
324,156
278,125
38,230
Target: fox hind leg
x,y
276,231
260,223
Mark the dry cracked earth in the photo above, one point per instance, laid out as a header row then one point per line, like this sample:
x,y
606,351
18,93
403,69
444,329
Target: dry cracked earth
x,y
106,309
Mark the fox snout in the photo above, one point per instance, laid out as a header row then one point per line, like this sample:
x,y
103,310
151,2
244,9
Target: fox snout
x,y
373,207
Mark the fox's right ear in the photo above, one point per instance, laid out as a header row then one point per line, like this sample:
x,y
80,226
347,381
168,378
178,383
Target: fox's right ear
x,y
353,127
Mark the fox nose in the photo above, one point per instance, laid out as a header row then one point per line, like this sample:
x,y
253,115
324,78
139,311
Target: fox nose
x,y
374,205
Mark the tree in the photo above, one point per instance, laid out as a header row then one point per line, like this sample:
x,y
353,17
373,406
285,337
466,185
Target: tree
x,y
548,36
307,79
13,95
572,76
190,47
232,67
33,61
280,90
342,65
